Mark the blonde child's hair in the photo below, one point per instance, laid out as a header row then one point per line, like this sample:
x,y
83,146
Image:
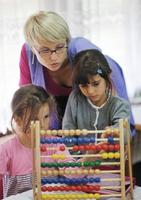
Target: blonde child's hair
x,y
45,26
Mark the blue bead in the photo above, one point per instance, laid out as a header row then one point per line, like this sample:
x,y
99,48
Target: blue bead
x,y
74,140
44,181
91,180
97,179
110,140
92,139
85,180
48,141
42,141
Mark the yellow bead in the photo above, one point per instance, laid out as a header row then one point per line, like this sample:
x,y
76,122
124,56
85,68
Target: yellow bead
x,y
43,172
54,132
73,172
67,171
97,171
72,132
84,131
42,132
61,156
55,172
85,196
48,132
49,172
91,171
66,132
85,172
97,196
117,155
60,132
90,196
78,132
43,196
104,155
61,172
79,171
111,155
54,156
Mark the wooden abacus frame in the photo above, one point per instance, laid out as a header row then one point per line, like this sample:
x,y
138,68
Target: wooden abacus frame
x,y
125,156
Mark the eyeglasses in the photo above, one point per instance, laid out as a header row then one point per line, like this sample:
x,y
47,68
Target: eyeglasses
x,y
48,52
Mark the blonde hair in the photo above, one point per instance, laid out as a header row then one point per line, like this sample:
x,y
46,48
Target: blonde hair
x,y
45,27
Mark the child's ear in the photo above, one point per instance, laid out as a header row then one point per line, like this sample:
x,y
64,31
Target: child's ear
x,y
18,120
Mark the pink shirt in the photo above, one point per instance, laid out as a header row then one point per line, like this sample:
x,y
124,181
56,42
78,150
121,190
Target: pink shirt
x,y
16,165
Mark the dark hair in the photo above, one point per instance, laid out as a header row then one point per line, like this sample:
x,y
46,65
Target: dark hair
x,y
27,101
89,63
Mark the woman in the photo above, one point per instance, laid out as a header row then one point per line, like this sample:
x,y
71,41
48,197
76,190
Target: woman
x,y
46,58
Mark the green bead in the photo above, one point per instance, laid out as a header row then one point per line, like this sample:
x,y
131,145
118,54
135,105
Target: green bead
x,y
61,165
67,164
97,162
86,164
72,164
92,163
43,164
79,164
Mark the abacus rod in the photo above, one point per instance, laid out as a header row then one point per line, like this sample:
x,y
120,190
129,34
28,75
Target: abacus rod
x,y
75,156
70,171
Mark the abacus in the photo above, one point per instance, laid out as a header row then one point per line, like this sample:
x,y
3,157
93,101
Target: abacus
x,y
52,180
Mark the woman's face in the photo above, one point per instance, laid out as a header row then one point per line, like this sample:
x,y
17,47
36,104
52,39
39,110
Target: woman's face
x,y
95,90
52,55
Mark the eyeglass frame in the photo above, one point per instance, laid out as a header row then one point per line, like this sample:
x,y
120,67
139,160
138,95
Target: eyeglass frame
x,y
49,52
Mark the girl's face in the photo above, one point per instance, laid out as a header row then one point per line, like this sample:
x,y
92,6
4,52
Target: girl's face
x,y
52,55
95,90
44,116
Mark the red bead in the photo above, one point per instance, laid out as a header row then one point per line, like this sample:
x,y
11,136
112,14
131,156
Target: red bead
x,y
62,148
43,148
111,147
105,147
97,187
85,188
79,188
55,188
88,147
81,148
116,147
93,147
75,148
50,188
98,148
66,188
43,188
62,188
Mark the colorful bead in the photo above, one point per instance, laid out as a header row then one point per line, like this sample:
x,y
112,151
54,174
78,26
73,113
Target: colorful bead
x,y
66,132
62,148
111,155
104,155
117,155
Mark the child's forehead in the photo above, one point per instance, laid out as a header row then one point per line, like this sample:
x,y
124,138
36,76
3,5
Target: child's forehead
x,y
95,77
